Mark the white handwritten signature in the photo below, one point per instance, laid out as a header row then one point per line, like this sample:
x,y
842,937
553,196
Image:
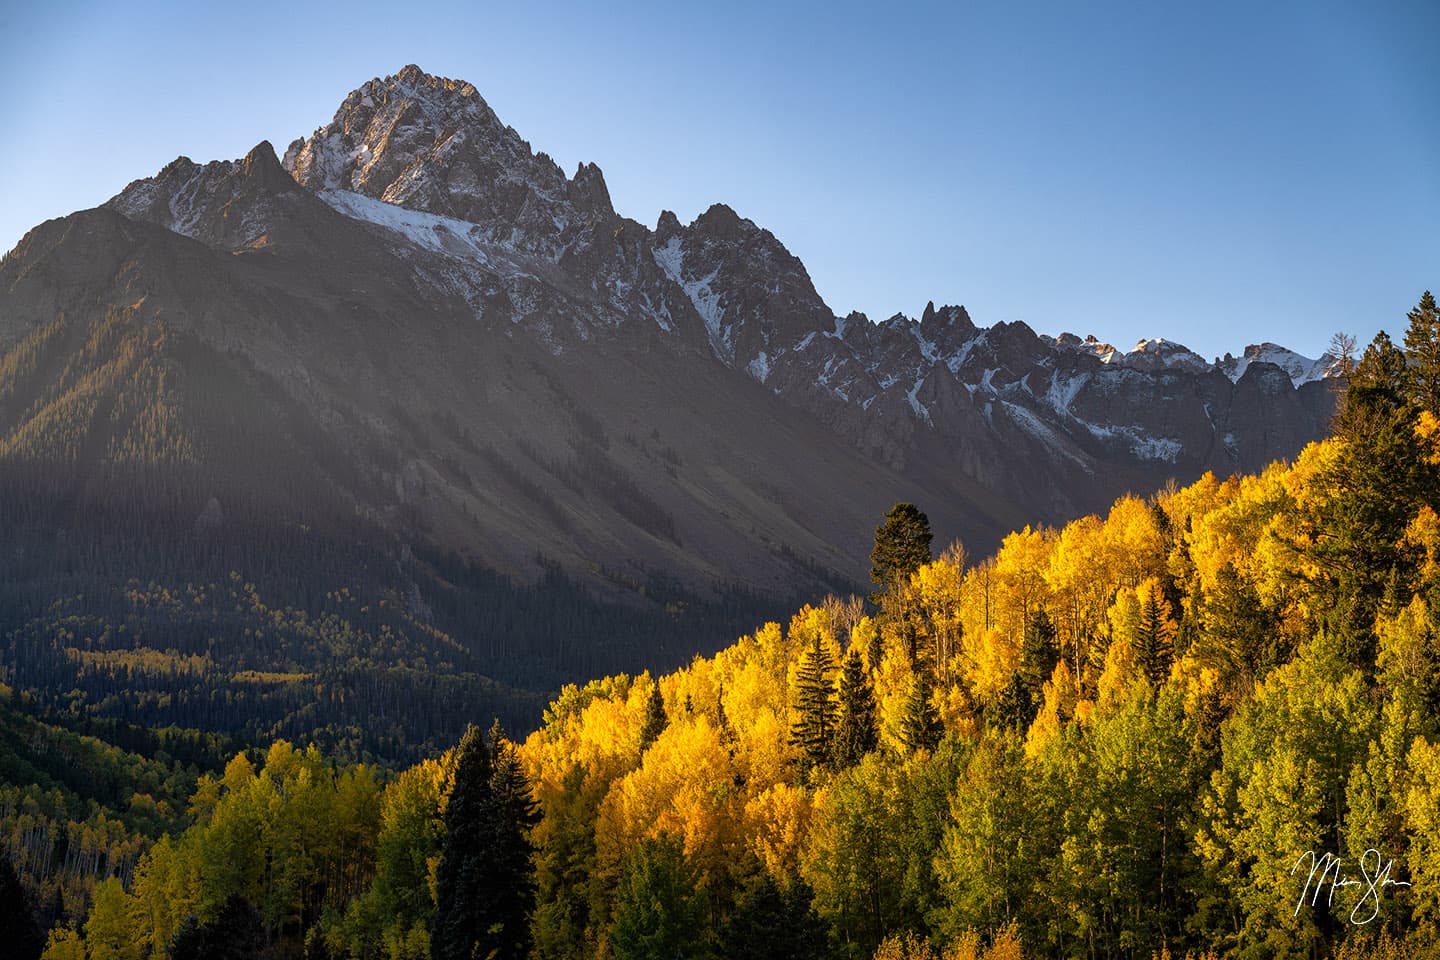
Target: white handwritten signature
x,y
1329,866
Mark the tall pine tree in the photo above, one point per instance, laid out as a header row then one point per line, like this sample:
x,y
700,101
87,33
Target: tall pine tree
x,y
461,929
1422,351
771,922
1371,491
856,729
655,717
513,812
1039,653
1155,634
902,546
485,880
920,727
814,723
22,935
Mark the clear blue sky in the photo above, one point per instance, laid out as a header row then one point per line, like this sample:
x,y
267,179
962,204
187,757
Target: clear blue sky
x,y
1215,173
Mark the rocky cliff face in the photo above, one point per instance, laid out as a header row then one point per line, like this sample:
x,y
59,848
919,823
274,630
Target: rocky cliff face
x,y
491,357
431,144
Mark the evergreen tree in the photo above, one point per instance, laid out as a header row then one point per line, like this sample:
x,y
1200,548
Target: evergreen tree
x,y
1039,653
1204,754
814,723
920,727
1016,706
512,814
236,933
1369,494
462,916
902,546
1154,635
770,922
856,730
1238,635
722,722
568,893
1422,351
22,935
655,718
485,887
658,913
1377,389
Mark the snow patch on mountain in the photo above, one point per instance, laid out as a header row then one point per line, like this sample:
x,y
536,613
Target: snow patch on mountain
x,y
428,231
957,359
1140,444
927,347
1042,431
1063,390
921,411
1156,448
671,259
759,367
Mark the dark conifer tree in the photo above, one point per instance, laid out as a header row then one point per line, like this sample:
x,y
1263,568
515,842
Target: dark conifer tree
x,y
658,911
236,933
1237,635
902,546
1039,653
1375,486
920,727
22,938
875,650
1204,755
1154,644
770,922
1377,392
722,722
463,917
814,723
1015,707
511,814
1422,352
655,717
856,729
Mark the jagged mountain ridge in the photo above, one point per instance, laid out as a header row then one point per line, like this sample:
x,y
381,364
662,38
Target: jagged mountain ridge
x,y
760,313
678,399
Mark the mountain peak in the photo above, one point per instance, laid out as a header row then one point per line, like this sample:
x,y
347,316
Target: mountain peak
x,y
433,145
587,190
226,203
413,75
722,220
262,166
1300,369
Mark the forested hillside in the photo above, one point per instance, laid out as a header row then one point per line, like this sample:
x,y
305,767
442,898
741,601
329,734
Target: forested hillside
x,y
1119,738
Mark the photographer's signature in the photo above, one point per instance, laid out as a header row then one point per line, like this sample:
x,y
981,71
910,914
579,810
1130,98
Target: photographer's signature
x,y
1329,869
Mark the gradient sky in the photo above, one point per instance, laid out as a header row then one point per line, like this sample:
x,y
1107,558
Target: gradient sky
x,y
1217,174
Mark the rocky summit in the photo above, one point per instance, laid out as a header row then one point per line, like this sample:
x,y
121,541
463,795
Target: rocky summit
x,y
416,322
